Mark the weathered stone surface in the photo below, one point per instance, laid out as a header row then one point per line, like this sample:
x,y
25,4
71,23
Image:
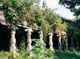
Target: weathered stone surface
x,y
29,41
13,41
50,40
41,36
59,40
2,19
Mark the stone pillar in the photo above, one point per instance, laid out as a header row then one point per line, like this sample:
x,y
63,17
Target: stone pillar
x,y
29,47
13,40
59,41
41,36
66,42
50,41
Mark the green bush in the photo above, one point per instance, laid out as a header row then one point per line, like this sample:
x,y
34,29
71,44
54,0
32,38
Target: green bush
x,y
39,51
4,54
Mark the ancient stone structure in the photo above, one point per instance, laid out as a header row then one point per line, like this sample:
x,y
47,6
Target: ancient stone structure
x,y
28,31
29,41
64,34
41,35
60,34
13,41
59,41
50,40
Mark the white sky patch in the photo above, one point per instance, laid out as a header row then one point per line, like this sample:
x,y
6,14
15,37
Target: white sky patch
x,y
61,10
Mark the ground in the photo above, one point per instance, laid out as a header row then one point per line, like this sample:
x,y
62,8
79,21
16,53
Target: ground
x,y
58,55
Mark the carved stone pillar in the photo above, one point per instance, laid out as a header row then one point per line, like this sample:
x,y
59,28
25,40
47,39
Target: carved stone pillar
x,y
41,36
29,41
13,40
66,42
59,41
64,35
50,41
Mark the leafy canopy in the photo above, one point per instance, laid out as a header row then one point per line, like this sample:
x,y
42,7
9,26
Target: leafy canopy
x,y
15,10
73,5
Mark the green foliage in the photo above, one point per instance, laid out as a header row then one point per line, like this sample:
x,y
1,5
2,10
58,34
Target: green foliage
x,y
41,52
4,54
15,10
0,5
38,54
72,4
67,55
22,50
61,27
77,23
46,27
74,29
38,18
73,32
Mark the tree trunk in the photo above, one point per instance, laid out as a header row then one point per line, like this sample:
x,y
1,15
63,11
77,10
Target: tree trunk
x,y
41,36
50,40
29,47
59,44
13,40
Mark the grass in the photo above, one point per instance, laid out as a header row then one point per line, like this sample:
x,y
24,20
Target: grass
x,y
39,52
67,55
4,55
58,55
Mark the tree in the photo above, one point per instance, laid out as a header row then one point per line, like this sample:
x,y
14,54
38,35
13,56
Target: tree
x,y
73,34
73,30
73,5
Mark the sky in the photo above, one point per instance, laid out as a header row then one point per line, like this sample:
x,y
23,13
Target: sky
x,y
61,10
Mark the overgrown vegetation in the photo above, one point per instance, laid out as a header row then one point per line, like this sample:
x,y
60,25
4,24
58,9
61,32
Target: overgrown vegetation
x,y
73,29
39,52
18,11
